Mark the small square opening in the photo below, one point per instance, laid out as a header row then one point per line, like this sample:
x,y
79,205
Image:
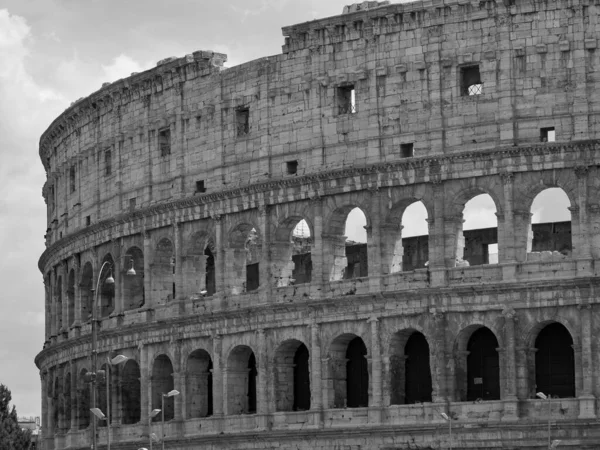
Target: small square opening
x,y
470,81
72,178
132,202
88,221
547,134
346,99
200,186
407,150
164,142
242,121
292,167
108,162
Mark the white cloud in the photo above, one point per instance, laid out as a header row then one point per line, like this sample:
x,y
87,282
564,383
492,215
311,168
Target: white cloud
x,y
122,66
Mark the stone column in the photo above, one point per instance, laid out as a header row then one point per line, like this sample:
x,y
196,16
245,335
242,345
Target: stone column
x,y
219,254
587,401
77,291
262,401
148,297
506,236
376,388
119,275
374,242
145,388
317,253
510,372
523,234
438,357
437,241
316,401
525,372
266,280
217,376
178,248
48,307
74,426
178,377
45,414
64,315
53,320
580,235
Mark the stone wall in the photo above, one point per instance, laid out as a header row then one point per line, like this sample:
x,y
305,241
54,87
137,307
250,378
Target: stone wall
x,y
185,184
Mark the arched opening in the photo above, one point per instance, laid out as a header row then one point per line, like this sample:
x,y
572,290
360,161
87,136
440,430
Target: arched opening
x,y
59,305
66,408
199,385
133,285
107,290
550,223
357,261
241,381
415,238
357,372
56,394
483,367
244,255
163,272
292,377
83,401
162,383
209,271
479,241
555,362
301,253
87,295
71,298
410,373
131,406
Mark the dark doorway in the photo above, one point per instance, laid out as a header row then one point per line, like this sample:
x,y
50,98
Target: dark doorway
x,y
483,368
301,380
131,393
252,372
357,374
555,362
210,272
209,390
252,277
418,374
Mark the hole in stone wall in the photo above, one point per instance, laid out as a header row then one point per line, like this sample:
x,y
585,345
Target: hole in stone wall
x,y
301,253
164,142
346,99
547,134
479,232
470,81
292,167
550,224
200,188
356,245
407,150
242,121
415,237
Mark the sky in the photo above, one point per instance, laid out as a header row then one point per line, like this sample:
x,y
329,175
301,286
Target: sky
x,y
53,52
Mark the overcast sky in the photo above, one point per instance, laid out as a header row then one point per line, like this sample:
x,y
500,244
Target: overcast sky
x,y
53,52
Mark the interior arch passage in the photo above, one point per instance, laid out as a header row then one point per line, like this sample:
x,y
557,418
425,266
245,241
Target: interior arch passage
x,y
241,381
410,369
555,361
348,372
292,377
162,383
130,393
199,393
483,367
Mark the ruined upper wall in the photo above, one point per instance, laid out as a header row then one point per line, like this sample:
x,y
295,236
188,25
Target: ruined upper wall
x,y
406,63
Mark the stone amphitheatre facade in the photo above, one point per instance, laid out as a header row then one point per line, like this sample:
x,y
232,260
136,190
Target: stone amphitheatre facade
x,y
197,175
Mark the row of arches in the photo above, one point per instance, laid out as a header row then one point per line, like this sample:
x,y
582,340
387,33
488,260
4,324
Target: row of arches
x,y
346,377
292,255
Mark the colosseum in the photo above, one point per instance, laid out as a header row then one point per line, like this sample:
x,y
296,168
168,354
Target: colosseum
x,y
199,257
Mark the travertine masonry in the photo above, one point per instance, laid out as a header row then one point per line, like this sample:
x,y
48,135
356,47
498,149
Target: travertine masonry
x,y
195,176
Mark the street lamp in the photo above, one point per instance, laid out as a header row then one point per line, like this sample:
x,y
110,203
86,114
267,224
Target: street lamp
x,y
151,435
92,376
119,359
547,398
449,420
162,427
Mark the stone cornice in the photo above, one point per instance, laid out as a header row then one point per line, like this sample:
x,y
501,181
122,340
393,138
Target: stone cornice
x,y
210,202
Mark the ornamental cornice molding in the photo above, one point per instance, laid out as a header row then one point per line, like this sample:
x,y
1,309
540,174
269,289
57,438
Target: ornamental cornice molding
x,y
436,163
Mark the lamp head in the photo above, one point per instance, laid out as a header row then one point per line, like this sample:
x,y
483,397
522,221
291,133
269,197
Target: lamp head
x,y
131,270
110,279
118,359
172,393
541,395
154,412
445,416
98,413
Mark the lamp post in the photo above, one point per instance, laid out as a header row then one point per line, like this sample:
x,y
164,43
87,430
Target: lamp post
x,y
162,427
547,399
449,420
108,280
119,359
151,435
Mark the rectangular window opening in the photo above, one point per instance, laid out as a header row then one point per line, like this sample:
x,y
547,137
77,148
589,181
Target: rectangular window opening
x,y
407,150
252,277
242,120
200,188
470,81
164,142
346,99
72,178
547,134
292,167
88,221
108,162
132,202
492,253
